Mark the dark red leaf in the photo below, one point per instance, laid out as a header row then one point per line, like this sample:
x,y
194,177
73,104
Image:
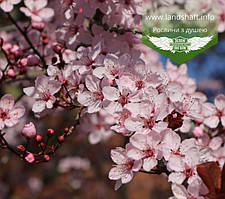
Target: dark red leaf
x,y
210,174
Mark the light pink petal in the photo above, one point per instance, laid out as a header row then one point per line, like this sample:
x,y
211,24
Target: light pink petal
x,y
92,83
187,144
115,173
6,6
111,93
29,4
192,157
171,141
46,14
17,112
49,104
117,185
38,106
208,109
99,72
15,1
94,137
94,107
212,121
113,107
110,60
176,163
220,102
139,141
54,86
85,98
137,165
29,91
135,154
7,102
11,122
118,156
25,11
127,177
179,191
133,125
176,178
215,143
149,163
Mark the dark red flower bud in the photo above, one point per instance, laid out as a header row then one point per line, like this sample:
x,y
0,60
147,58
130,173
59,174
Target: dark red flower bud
x,y
50,132
38,138
66,130
20,148
57,49
46,158
61,139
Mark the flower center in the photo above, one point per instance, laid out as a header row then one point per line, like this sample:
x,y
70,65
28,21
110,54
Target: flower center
x,y
140,84
98,95
130,164
189,172
149,152
123,100
4,115
149,123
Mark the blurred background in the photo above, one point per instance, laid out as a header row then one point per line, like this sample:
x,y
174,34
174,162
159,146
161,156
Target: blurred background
x,y
79,170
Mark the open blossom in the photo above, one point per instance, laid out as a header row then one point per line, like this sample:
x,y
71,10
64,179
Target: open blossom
x,y
36,9
30,158
194,191
124,171
9,114
215,113
184,167
146,148
43,92
93,98
7,5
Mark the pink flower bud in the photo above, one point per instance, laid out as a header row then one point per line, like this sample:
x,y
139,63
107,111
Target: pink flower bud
x,y
29,131
33,60
38,25
50,132
23,62
11,73
46,158
38,138
198,131
30,158
20,148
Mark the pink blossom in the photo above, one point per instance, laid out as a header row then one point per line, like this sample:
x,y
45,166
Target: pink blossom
x,y
7,5
214,113
125,168
146,148
93,98
9,114
43,92
36,10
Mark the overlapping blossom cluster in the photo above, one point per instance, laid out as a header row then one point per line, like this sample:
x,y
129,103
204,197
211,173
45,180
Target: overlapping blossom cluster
x,y
87,55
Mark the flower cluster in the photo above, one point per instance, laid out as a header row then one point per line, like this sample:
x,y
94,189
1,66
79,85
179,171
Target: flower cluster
x,y
87,56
